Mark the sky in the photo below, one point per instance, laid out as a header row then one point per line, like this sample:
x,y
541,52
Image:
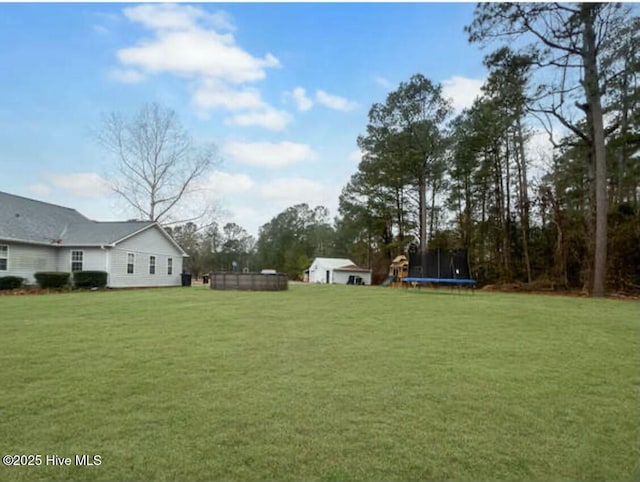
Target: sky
x,y
282,90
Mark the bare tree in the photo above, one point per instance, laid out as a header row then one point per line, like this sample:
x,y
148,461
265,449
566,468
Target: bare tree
x,y
158,165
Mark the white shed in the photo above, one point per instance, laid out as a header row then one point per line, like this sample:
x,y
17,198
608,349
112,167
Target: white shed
x,y
336,270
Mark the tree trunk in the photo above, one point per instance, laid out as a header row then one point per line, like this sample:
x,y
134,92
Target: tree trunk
x,y
399,211
483,218
593,96
467,213
506,244
432,210
422,205
501,234
560,257
524,199
623,164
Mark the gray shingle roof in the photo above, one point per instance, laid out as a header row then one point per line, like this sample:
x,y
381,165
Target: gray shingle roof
x,y
94,232
25,219
30,220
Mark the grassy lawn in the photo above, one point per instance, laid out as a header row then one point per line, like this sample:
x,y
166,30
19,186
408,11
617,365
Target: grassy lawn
x,y
320,383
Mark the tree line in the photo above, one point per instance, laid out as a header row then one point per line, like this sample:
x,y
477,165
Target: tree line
x,y
463,180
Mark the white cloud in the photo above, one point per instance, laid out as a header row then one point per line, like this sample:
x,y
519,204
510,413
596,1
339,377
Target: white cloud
x,y
280,193
99,29
248,217
175,17
300,96
191,43
269,118
334,101
126,76
212,93
39,189
267,154
292,190
198,52
383,82
305,102
462,91
224,183
84,184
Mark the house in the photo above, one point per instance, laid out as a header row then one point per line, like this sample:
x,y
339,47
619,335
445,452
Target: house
x,y
37,236
336,270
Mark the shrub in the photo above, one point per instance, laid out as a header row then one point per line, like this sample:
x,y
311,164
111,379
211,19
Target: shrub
x,y
90,279
52,279
11,282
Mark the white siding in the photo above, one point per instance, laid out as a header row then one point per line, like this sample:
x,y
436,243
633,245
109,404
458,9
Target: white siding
x,y
341,277
25,260
93,259
150,242
318,273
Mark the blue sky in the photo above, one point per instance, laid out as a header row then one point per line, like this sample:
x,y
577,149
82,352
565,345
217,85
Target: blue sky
x,y
283,90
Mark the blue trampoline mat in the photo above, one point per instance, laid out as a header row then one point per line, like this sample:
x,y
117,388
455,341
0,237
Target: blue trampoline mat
x,y
452,281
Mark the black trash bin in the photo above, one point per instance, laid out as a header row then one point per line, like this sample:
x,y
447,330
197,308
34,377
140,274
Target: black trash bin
x,y
186,279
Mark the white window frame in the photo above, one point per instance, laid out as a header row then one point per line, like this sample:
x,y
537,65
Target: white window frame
x,y
169,266
152,264
74,251
131,256
5,256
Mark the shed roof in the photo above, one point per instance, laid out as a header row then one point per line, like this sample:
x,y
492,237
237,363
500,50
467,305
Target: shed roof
x,y
352,267
332,262
339,264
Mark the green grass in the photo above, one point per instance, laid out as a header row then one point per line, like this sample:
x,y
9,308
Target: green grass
x,y
321,383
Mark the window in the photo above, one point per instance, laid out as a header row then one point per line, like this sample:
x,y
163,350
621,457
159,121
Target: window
x,y
152,265
170,266
4,257
130,261
77,257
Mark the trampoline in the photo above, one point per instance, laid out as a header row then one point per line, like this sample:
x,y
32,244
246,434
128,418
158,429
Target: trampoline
x,y
439,267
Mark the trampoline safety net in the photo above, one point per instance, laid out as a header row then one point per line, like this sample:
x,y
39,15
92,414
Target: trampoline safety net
x,y
439,264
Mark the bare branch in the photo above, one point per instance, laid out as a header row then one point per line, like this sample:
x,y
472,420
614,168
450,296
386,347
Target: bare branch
x,y
157,161
530,28
552,111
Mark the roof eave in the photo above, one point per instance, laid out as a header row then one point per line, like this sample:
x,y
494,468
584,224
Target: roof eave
x,y
355,270
56,245
86,245
27,241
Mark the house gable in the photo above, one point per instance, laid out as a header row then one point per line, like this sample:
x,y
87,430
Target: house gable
x,y
151,239
131,259
160,229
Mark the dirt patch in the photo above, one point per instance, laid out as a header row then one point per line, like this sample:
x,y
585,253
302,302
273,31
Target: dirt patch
x,y
537,289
